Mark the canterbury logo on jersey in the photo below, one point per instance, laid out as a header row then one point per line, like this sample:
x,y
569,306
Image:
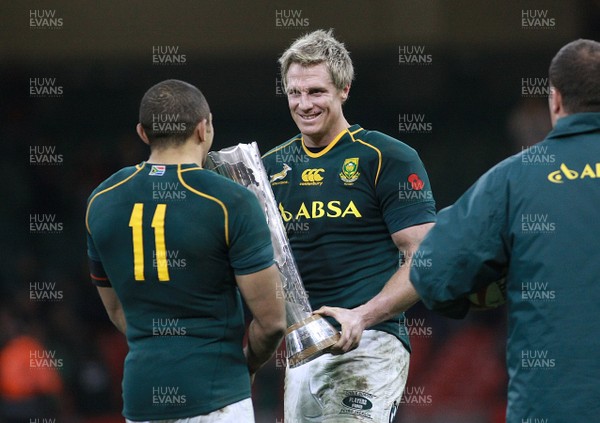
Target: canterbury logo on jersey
x,y
312,177
558,176
319,209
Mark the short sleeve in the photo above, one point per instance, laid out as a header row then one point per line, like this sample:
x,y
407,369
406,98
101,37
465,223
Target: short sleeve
x,y
250,248
403,189
97,272
468,247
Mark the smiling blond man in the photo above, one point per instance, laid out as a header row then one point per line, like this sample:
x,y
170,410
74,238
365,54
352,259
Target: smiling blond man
x,y
353,202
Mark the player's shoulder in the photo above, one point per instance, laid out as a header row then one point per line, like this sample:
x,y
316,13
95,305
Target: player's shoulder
x,y
513,165
386,145
117,178
204,182
295,141
502,173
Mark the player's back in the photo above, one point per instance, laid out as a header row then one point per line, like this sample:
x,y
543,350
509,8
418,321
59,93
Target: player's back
x,y
164,235
553,275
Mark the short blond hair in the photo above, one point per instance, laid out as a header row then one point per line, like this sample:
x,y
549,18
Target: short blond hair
x,y
319,47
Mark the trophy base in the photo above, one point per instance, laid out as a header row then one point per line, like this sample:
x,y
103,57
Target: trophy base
x,y
308,339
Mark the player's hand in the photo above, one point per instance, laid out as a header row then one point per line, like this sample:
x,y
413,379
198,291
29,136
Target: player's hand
x,y
352,327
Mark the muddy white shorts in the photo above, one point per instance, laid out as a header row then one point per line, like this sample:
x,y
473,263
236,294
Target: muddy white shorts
x,y
363,385
237,412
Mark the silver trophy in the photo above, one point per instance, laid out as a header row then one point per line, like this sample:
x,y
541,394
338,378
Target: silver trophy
x,y
308,335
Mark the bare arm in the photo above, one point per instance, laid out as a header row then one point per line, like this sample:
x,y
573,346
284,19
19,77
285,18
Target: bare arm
x,y
267,306
397,295
113,307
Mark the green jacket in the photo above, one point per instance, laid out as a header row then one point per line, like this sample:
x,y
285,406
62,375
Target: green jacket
x,y
534,218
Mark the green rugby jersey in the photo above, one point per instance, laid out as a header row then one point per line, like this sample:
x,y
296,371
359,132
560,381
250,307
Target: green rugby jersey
x,y
169,239
340,207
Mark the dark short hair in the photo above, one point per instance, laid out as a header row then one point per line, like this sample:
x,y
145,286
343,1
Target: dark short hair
x,y
575,72
170,111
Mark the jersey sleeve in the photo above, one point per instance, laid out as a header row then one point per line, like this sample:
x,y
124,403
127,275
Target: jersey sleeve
x,y
403,189
250,248
468,248
97,273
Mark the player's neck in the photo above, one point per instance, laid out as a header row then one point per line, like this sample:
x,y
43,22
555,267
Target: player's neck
x,y
323,140
180,155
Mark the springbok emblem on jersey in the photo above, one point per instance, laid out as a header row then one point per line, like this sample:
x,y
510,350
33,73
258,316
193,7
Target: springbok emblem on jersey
x,y
280,175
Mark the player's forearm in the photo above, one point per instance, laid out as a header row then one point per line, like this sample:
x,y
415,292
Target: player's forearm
x,y
118,319
397,296
113,307
262,343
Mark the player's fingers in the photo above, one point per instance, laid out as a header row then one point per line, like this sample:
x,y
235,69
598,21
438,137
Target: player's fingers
x,y
352,338
325,311
352,342
343,347
349,336
355,341
348,341
339,346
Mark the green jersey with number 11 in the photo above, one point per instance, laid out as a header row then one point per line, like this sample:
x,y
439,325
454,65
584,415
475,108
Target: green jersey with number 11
x,y
169,239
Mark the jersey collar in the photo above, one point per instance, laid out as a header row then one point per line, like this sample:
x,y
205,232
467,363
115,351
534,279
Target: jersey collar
x,y
577,123
350,131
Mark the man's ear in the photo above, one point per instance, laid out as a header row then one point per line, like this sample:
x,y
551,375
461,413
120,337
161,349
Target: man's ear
x,y
556,106
204,128
556,103
345,93
209,125
200,130
142,134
